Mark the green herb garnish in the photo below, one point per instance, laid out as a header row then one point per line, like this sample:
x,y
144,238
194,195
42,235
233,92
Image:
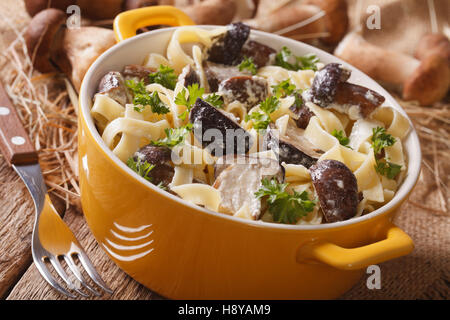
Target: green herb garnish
x,y
174,136
165,76
340,135
248,64
388,169
287,60
285,207
144,98
215,100
380,140
142,168
262,119
194,93
283,89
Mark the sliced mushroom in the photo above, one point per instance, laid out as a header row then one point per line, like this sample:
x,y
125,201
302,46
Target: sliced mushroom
x,y
324,86
301,114
238,182
246,89
189,76
161,158
356,101
218,131
292,147
330,90
226,48
216,73
261,54
137,72
337,189
113,85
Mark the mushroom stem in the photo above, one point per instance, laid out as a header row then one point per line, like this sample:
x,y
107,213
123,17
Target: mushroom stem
x,y
426,80
53,47
391,67
288,16
211,11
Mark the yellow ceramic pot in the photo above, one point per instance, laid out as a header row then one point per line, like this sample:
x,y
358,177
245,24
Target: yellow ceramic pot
x,y
181,250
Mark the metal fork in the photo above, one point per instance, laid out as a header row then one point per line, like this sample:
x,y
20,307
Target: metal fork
x,y
52,240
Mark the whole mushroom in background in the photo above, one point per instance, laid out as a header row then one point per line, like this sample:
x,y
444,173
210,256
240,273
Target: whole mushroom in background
x,y
407,52
53,47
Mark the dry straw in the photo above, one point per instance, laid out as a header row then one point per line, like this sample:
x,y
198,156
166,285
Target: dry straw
x,y
49,115
47,105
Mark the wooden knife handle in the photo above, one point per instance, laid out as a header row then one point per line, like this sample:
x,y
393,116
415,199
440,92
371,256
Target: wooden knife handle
x,y
15,144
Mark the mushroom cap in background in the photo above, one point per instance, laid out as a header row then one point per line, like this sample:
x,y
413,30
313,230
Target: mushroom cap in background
x,y
42,37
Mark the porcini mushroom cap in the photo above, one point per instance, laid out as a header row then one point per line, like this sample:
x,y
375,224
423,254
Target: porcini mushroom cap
x,y
99,10
429,82
80,49
35,6
135,4
41,37
336,19
433,42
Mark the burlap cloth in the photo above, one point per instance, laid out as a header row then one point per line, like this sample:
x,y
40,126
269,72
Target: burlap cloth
x,y
425,273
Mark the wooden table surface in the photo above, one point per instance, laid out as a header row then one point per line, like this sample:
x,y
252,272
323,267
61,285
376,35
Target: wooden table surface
x,y
19,278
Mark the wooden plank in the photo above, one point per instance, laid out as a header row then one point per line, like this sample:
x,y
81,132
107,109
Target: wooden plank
x,y
32,285
16,218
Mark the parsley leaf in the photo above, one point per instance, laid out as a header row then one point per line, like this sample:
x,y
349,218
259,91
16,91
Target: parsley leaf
x,y
174,136
194,93
388,169
284,59
380,140
142,168
283,89
144,98
340,135
262,119
215,100
269,105
165,76
247,63
285,207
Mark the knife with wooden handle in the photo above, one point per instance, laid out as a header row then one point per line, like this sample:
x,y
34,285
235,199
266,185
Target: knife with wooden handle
x,y
15,144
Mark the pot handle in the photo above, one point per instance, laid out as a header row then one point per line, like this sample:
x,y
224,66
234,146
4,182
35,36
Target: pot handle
x,y
126,23
396,244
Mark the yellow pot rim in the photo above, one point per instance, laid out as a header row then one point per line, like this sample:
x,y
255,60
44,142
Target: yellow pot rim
x,y
401,195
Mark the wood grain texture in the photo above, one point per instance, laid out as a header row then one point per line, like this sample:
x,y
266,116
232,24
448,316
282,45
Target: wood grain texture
x,y
32,285
16,218
15,144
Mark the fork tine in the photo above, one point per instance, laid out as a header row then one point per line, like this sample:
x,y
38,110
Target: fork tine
x,y
48,276
90,269
78,275
59,269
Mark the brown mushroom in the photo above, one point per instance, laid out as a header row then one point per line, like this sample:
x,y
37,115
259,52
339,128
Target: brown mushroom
x,y
426,80
33,7
336,19
337,189
330,90
53,47
135,4
97,9
219,12
328,19
433,43
248,90
238,180
292,147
